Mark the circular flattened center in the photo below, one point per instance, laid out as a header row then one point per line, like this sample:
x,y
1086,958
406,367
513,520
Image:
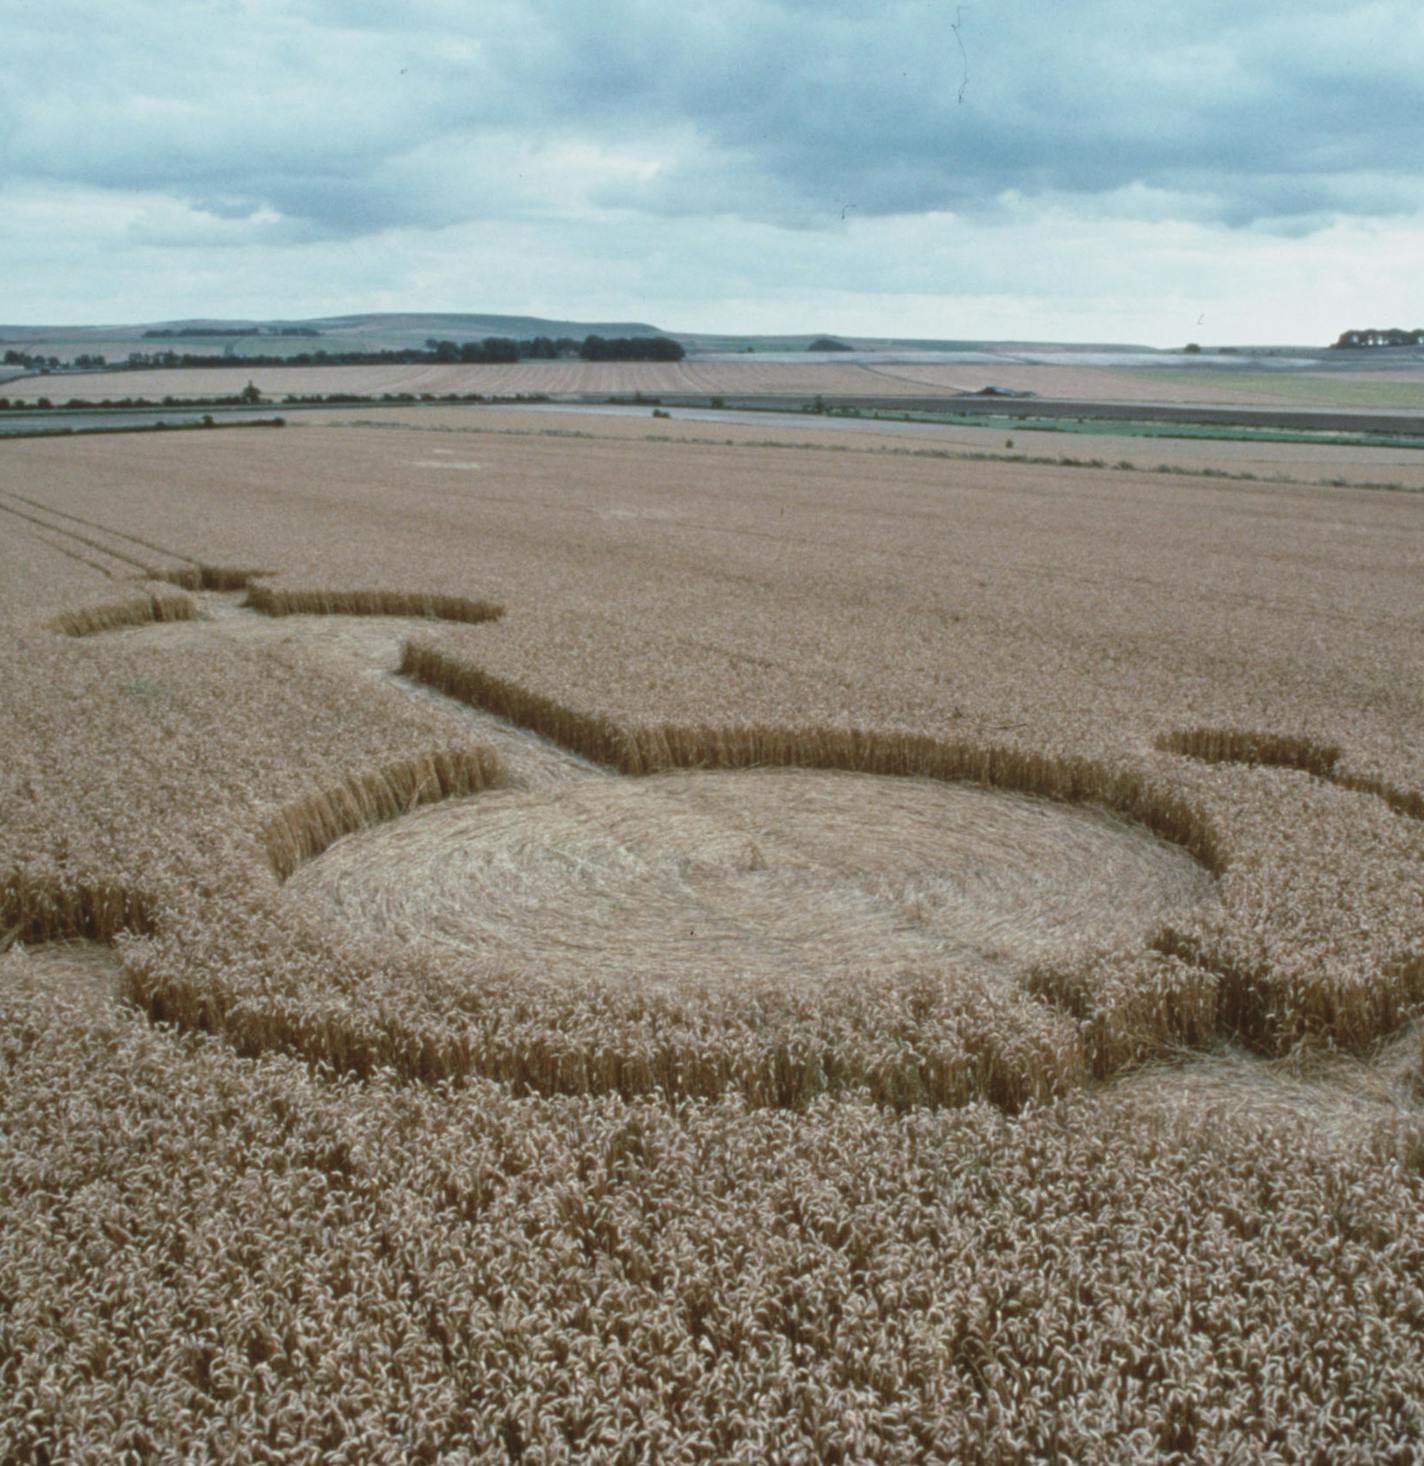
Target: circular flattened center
x,y
758,873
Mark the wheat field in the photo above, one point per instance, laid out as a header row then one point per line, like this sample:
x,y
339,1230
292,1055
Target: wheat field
x,y
449,439
608,945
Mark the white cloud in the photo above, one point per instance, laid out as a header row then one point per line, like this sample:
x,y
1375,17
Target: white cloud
x,y
767,162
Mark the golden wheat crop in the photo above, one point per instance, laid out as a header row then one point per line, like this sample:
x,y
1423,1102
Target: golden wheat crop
x,y
211,1255
698,951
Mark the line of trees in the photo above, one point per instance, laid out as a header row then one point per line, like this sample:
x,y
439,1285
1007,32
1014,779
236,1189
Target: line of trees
x,y
84,362
493,350
1374,336
551,348
174,333
31,362
251,396
631,348
138,360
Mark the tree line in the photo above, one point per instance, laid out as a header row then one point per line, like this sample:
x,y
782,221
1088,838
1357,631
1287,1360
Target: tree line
x,y
251,396
552,348
173,333
32,362
1374,336
493,350
631,348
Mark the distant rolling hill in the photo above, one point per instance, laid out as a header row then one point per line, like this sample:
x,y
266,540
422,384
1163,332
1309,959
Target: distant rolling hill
x,y
372,331
471,327
394,331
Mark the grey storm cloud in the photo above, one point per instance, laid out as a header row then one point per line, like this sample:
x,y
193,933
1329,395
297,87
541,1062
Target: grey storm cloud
x,y
350,118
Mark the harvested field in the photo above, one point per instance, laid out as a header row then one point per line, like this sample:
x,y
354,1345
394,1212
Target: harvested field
x,y
867,957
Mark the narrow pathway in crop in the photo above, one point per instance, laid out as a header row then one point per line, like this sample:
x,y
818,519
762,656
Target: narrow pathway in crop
x,y
369,647
86,974
1351,1101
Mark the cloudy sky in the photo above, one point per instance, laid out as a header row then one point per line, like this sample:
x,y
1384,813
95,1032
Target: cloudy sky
x,y
1091,170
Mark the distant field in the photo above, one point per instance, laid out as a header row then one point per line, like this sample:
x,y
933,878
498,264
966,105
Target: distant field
x,y
731,377
1304,462
1401,389
527,377
747,377
1146,428
1229,387
1225,386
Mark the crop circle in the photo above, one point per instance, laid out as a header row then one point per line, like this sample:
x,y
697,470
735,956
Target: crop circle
x,y
687,877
